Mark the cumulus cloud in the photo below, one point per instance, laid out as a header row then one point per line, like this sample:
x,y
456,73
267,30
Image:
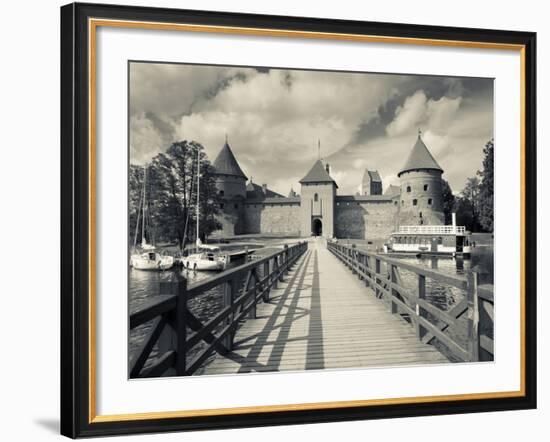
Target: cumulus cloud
x,y
275,117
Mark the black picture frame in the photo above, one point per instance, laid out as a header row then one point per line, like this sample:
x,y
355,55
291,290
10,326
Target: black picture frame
x,y
76,417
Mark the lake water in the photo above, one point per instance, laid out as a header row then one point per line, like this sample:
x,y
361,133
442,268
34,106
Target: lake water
x,y
144,284
444,296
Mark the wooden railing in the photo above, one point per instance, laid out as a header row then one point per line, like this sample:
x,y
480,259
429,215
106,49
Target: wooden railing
x,y
382,274
177,331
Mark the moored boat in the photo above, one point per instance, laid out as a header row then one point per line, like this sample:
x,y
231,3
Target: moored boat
x,y
431,240
207,257
145,256
151,260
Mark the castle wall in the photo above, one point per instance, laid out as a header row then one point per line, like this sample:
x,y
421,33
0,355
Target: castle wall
x,y
278,218
429,202
372,220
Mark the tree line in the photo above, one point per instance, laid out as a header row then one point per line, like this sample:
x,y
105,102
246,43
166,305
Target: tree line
x,y
474,204
171,196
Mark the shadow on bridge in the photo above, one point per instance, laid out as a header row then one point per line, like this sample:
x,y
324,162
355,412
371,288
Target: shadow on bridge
x,y
286,312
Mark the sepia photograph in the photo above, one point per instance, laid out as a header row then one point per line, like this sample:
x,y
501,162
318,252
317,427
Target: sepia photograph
x,y
287,220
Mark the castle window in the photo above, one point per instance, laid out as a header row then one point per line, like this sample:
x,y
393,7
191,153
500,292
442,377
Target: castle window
x,y
408,188
425,187
395,203
420,214
429,201
402,202
315,197
221,192
221,206
415,202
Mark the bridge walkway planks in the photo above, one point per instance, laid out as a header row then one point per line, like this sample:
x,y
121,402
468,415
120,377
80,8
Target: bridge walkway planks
x,y
322,316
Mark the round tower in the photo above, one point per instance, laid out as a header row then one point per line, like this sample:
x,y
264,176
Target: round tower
x,y
229,177
230,182
421,190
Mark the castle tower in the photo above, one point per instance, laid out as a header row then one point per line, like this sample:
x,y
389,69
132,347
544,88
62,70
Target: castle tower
x,y
229,177
318,194
231,185
372,183
421,193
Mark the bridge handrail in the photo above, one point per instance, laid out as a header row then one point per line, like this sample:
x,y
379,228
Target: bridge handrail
x,y
171,319
477,305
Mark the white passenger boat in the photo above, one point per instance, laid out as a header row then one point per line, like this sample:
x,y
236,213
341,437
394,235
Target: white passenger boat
x,y
431,240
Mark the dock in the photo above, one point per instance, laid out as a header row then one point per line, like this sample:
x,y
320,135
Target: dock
x,y
313,305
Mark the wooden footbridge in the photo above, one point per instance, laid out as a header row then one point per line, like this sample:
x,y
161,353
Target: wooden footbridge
x,y
312,305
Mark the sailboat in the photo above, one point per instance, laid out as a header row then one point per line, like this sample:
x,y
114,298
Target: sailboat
x,y
145,257
206,257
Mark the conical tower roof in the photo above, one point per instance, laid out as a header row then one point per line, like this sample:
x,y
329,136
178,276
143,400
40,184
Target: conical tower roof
x,y
420,158
226,163
317,174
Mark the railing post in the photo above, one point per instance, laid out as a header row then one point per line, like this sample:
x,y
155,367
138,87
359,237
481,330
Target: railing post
x,y
254,281
377,280
267,279
273,266
228,301
280,268
393,305
181,325
286,258
174,335
473,316
421,295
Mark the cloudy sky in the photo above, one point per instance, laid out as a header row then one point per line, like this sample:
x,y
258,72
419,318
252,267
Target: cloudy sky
x,y
275,117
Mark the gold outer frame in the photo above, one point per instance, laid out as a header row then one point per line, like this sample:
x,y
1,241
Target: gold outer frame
x,y
93,24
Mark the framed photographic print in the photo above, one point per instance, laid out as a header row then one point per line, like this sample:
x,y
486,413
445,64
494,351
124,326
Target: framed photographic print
x,y
274,220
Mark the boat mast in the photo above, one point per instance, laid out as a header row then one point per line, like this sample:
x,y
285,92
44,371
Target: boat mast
x,y
198,193
143,220
138,216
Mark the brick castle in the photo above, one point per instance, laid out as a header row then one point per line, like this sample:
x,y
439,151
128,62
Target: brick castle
x,y
248,208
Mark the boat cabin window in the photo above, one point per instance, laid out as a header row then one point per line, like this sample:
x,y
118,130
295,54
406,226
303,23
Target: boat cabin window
x,y
408,188
151,256
439,240
415,202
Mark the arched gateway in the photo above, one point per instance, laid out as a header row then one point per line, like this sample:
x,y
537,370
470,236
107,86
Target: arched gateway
x,y
317,227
